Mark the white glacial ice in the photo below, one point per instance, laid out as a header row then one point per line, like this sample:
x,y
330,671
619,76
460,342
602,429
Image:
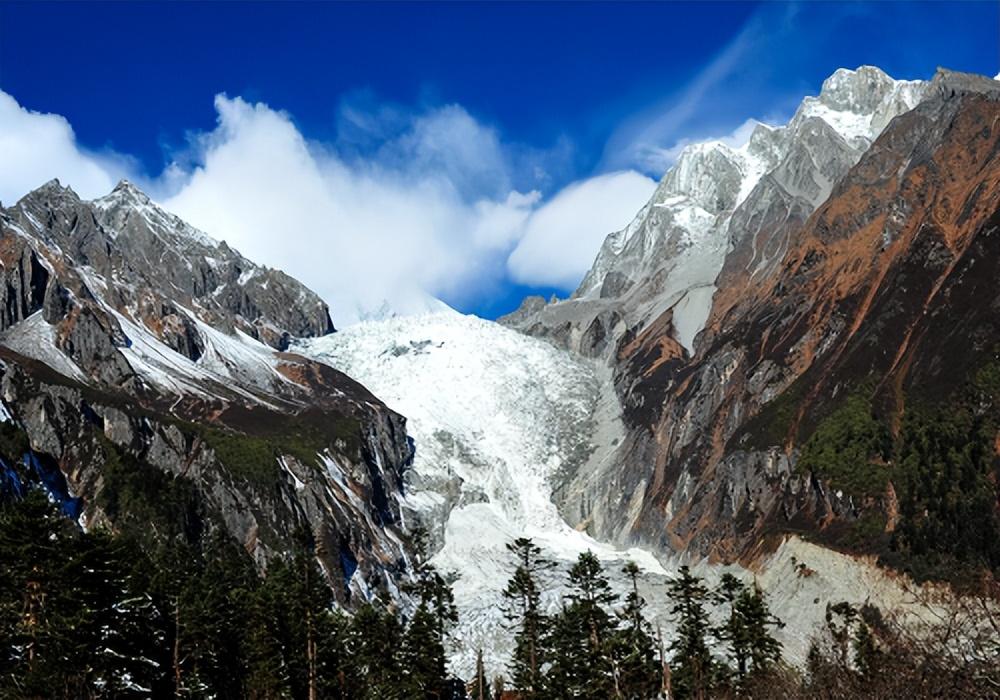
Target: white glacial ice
x,y
496,417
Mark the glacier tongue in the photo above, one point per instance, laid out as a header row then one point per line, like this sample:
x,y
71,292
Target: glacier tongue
x,y
497,417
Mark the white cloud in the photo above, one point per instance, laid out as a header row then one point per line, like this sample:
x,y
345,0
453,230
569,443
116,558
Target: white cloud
x,y
398,226
661,159
430,211
36,147
562,237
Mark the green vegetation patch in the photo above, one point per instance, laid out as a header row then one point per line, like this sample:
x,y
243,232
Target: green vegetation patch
x,y
254,458
144,500
851,448
772,424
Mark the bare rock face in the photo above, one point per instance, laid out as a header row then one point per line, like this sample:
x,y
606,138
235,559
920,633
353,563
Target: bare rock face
x,y
857,258
135,348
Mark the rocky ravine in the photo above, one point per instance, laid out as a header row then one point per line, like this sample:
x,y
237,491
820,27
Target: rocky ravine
x,y
139,354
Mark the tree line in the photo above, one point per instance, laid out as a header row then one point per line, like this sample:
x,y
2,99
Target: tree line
x,y
100,615
589,649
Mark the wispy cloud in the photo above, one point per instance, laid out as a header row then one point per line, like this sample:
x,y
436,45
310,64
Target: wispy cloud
x,y
753,75
640,140
660,159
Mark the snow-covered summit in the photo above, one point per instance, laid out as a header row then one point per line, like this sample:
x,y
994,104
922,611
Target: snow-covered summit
x,y
859,104
416,303
186,314
670,255
126,201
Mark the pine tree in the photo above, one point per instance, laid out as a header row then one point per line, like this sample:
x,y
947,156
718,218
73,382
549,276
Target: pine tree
x,y
479,689
300,601
123,638
424,663
582,666
691,665
745,632
423,651
218,604
523,609
267,675
374,669
867,655
633,647
38,612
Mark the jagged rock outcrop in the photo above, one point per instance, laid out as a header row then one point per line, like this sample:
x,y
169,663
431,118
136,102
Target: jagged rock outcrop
x,y
136,350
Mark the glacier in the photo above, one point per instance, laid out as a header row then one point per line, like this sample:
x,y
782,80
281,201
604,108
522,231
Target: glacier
x,y
497,418
500,421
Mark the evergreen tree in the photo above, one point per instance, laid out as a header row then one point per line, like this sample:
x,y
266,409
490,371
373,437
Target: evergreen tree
x,y
298,600
423,651
582,666
373,670
424,663
218,604
745,632
523,609
692,671
639,674
71,621
479,688
867,655
46,631
120,635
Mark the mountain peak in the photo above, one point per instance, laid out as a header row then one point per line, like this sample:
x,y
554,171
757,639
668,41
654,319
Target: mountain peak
x,y
51,189
860,90
126,188
953,82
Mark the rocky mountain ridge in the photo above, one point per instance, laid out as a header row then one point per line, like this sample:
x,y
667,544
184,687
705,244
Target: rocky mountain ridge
x,y
671,254
834,276
138,350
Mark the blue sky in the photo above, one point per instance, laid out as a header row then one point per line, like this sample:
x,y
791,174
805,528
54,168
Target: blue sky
x,y
404,150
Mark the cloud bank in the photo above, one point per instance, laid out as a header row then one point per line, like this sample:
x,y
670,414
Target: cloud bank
x,y
430,212
561,238
36,147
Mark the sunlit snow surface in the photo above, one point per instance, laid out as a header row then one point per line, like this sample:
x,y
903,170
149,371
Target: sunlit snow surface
x,y
496,416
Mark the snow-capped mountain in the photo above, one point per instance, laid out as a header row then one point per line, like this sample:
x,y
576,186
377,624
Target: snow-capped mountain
x,y
128,334
670,255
